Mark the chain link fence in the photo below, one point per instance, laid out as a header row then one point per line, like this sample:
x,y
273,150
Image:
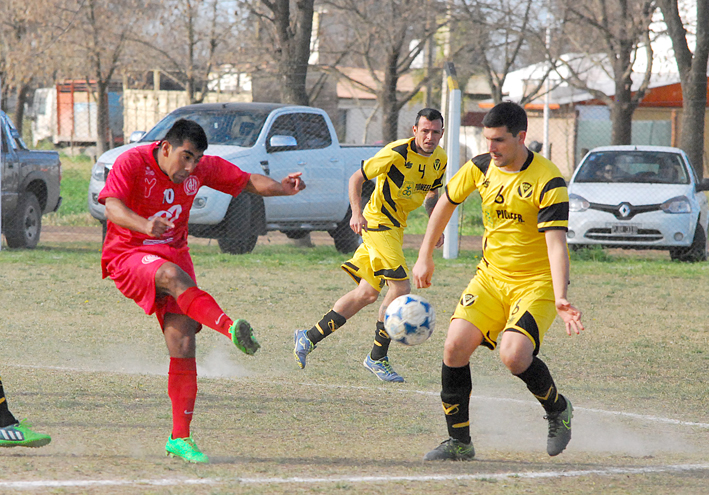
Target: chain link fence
x,y
272,140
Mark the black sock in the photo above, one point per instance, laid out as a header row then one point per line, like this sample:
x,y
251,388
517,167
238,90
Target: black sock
x,y
539,381
6,417
381,342
329,323
455,395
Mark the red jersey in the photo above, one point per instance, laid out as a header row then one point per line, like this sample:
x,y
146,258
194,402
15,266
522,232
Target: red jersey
x,y
136,179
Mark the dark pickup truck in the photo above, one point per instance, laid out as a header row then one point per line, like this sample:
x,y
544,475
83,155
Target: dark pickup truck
x,y
30,187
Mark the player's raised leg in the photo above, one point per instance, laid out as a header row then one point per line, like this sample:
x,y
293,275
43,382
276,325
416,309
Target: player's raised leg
x,y
179,331
345,308
378,360
456,385
201,307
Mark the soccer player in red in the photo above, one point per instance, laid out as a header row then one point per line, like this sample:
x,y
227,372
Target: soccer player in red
x,y
148,196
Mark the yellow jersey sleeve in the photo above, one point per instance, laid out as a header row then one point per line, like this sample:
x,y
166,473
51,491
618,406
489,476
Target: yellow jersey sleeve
x,y
553,206
469,178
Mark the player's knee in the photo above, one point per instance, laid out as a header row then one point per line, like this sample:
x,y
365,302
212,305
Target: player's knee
x,y
169,276
456,352
516,360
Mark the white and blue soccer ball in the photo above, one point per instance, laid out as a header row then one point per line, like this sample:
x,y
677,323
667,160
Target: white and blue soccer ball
x,y
410,319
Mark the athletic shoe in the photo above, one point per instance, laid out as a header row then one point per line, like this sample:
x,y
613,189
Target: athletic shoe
x,y
451,450
21,435
185,448
243,337
303,347
559,429
382,369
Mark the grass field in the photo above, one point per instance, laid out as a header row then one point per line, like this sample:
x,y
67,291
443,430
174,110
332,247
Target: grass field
x,y
87,366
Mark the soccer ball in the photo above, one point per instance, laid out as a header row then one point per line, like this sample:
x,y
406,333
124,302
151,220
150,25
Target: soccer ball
x,y
410,319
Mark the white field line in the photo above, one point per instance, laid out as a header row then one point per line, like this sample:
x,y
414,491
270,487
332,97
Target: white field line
x,y
610,471
643,417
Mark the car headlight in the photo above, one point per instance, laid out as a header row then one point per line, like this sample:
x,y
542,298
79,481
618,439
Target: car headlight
x,y
577,203
98,172
678,204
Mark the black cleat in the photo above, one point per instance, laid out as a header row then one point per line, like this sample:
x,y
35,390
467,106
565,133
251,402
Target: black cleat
x,y
559,429
451,450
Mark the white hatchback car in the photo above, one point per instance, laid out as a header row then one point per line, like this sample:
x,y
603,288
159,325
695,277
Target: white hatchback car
x,y
639,197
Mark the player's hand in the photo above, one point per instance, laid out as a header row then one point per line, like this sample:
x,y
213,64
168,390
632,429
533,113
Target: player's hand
x,y
357,222
158,226
293,184
570,315
441,240
423,272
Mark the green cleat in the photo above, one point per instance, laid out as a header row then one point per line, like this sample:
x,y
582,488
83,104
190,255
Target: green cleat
x,y
243,337
21,435
186,449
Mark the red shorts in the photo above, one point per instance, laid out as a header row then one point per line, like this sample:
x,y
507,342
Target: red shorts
x,y
134,275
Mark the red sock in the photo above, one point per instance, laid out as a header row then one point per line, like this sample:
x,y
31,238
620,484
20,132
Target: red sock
x,y
202,308
182,389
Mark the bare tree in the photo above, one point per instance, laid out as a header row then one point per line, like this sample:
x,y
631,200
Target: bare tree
x,y
192,37
499,34
693,73
95,47
289,25
621,28
388,37
26,35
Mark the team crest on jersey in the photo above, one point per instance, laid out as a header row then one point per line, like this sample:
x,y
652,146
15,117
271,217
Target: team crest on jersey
x,y
191,185
408,164
406,189
436,164
468,300
524,190
149,258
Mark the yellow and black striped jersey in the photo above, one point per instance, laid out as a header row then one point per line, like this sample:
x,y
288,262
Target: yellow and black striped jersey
x,y
517,208
404,177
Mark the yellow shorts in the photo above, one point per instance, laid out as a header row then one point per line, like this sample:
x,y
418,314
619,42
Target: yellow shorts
x,y
379,258
494,306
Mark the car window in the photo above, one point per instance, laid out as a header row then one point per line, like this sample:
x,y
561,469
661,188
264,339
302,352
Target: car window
x,y
314,133
223,127
647,167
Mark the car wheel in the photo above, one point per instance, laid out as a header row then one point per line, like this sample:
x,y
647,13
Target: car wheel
x,y
697,251
240,224
23,230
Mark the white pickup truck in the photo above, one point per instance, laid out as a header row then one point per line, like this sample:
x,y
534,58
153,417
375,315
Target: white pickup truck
x,y
268,139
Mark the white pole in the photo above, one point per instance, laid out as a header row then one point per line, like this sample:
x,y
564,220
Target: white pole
x,y
450,246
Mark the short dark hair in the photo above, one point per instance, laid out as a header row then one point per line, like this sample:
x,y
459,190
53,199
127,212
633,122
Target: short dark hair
x,y
430,114
187,130
507,114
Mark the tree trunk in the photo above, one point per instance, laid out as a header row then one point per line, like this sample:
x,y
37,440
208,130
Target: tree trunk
x,y
624,106
102,117
22,93
694,94
388,99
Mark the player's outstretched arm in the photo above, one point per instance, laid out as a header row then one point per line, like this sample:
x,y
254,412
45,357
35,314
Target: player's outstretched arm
x,y
118,213
354,192
559,262
429,203
423,269
265,186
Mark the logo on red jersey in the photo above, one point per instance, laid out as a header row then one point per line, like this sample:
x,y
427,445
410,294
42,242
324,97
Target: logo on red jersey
x,y
149,258
149,184
191,185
